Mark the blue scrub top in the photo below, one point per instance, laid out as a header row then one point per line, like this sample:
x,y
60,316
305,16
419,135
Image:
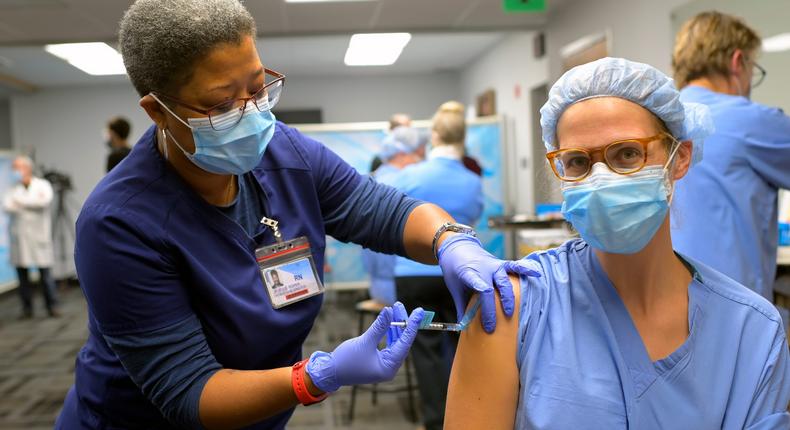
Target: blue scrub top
x,y
582,363
446,183
726,206
150,253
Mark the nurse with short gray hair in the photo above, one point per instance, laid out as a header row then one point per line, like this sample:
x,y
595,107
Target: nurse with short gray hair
x,y
177,246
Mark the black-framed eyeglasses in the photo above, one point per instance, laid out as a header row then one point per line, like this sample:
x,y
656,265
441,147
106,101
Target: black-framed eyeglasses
x,y
758,75
225,115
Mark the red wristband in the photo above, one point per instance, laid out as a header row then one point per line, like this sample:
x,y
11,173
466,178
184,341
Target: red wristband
x,y
300,386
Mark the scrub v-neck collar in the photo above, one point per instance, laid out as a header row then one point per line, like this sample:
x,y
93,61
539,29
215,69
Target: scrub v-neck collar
x,y
643,372
208,213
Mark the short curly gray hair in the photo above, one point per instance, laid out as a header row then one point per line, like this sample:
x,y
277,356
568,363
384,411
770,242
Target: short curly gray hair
x,y
161,40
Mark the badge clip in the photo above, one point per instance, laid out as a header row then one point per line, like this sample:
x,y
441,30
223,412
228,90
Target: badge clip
x,y
273,224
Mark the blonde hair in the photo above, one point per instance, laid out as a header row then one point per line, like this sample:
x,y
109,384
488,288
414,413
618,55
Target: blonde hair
x,y
449,123
705,44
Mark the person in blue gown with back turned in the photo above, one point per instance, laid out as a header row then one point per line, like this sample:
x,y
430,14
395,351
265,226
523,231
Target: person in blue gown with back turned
x,y
398,149
728,204
620,331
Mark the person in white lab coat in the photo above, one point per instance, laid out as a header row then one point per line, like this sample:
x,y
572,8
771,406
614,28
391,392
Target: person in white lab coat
x,y
28,205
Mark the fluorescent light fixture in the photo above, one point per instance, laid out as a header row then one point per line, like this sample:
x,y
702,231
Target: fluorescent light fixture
x,y
375,49
95,58
778,43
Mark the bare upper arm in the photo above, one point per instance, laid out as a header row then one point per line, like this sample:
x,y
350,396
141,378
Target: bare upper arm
x,y
484,383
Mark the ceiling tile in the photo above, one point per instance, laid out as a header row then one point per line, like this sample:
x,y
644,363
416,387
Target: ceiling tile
x,y
490,13
312,18
47,21
269,15
413,14
48,25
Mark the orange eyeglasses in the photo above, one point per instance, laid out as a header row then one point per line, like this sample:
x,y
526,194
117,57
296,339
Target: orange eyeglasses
x,y
623,156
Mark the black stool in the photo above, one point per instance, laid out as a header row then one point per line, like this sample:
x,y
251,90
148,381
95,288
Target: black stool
x,y
372,308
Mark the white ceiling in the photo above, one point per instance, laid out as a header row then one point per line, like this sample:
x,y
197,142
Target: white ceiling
x,y
294,56
27,22
298,39
321,56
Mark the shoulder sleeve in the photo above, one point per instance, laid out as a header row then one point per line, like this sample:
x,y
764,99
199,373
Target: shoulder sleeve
x,y
374,216
126,272
768,147
334,179
769,408
533,293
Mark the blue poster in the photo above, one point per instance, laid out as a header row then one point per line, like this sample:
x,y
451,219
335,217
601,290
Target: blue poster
x,y
7,272
358,146
484,143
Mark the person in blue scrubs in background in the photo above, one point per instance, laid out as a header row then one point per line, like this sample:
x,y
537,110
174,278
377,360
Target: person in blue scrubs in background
x,y
728,204
621,331
398,150
172,243
443,180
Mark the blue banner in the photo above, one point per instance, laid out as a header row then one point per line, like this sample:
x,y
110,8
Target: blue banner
x,y
7,272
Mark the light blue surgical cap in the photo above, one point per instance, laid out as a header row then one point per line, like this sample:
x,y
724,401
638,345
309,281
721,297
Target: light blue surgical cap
x,y
400,139
637,82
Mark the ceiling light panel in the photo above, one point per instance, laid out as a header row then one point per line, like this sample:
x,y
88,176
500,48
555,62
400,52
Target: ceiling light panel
x,y
778,43
94,58
375,49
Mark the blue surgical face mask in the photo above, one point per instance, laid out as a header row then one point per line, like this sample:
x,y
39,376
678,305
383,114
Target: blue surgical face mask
x,y
229,152
16,177
616,213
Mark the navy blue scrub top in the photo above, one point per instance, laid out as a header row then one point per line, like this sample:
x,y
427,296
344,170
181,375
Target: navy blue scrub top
x,y
150,252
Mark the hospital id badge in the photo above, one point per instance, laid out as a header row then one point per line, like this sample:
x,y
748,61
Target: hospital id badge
x,y
288,272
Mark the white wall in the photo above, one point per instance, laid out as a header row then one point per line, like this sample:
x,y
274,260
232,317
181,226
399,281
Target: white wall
x,y
371,98
644,30
641,29
65,128
508,65
65,125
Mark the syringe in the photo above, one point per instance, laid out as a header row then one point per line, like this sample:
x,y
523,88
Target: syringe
x,y
428,324
438,326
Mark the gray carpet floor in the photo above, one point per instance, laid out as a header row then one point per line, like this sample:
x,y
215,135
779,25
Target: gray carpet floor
x,y
37,367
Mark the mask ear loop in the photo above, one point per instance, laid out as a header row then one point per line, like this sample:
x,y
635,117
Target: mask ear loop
x,y
671,161
163,144
169,110
173,138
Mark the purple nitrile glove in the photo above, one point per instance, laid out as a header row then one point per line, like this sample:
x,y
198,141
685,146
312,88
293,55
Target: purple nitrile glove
x,y
468,268
359,361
